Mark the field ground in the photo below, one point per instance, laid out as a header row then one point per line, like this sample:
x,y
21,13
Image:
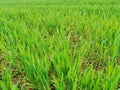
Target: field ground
x,y
60,45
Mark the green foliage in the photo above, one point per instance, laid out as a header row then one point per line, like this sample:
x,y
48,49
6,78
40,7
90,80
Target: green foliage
x,y
61,45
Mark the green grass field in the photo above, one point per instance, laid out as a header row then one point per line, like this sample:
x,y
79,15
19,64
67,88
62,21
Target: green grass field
x,y
60,45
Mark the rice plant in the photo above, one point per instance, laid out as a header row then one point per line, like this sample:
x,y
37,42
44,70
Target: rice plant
x,y
60,45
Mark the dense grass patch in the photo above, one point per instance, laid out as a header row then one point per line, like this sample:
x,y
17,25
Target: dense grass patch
x,y
72,46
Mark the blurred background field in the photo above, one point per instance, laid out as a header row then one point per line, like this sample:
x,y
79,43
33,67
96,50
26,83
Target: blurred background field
x,y
61,2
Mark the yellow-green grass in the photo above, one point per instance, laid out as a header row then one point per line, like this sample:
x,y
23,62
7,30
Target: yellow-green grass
x,y
67,46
